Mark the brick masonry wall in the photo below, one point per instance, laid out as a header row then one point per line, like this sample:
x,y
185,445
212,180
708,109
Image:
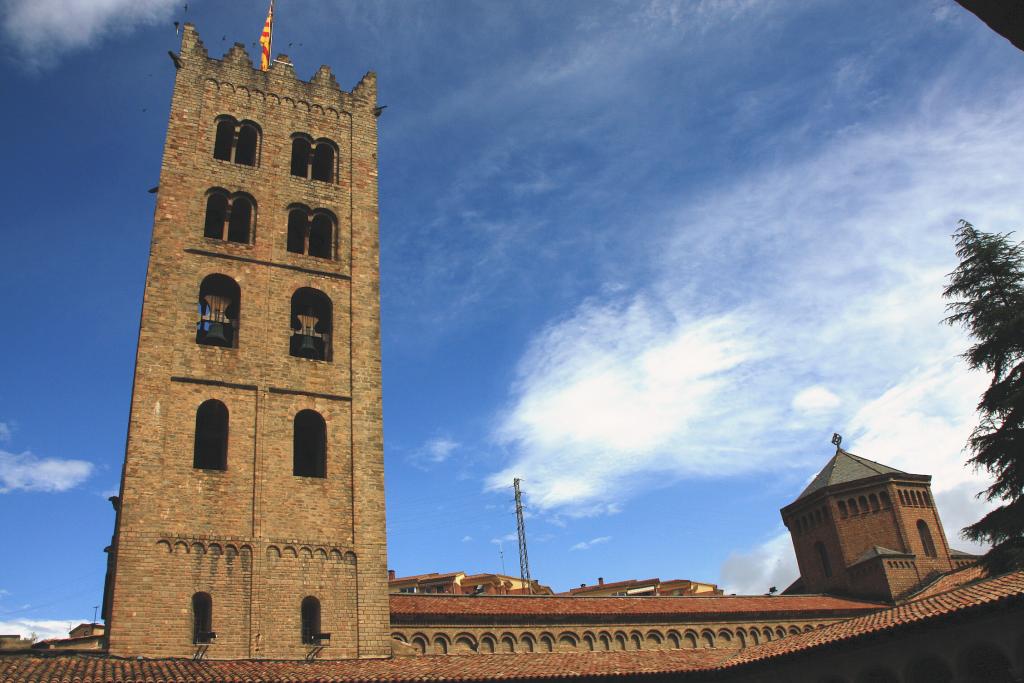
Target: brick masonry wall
x,y
255,537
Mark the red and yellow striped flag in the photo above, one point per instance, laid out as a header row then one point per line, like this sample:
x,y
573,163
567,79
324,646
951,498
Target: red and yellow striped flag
x,y
265,39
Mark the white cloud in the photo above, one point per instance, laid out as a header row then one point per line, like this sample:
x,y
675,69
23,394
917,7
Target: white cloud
x,y
587,545
505,539
41,628
43,30
693,374
753,572
467,539
27,472
433,452
5,432
816,399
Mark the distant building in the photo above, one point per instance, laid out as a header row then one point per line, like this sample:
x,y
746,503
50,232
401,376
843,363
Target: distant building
x,y
87,636
14,641
868,530
460,583
642,587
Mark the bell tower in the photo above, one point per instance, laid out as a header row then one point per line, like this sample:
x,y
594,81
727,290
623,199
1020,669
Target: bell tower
x,y
250,519
868,530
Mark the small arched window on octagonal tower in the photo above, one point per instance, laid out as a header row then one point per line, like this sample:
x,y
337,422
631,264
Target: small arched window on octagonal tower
x,y
220,302
926,538
826,567
236,141
311,323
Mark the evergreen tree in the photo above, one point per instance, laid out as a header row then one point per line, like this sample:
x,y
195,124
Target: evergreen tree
x,y
986,293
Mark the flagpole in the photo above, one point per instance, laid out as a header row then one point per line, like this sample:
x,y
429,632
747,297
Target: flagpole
x,y
270,45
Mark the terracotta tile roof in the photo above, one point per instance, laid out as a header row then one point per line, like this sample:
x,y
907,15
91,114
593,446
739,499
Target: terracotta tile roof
x,y
82,668
433,576
411,607
1008,586
101,669
950,581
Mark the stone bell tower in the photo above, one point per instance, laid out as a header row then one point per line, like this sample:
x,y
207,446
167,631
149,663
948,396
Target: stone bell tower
x,y
251,513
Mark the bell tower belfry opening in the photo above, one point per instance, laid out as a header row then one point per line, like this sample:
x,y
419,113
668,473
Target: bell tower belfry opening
x,y
253,484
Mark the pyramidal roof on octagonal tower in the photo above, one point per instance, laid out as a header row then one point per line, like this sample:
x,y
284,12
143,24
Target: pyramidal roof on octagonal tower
x,y
846,467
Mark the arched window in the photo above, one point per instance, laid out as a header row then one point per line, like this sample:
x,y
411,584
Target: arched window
x,y
929,670
239,219
873,500
852,503
826,568
313,160
310,612
216,215
985,663
248,141
886,501
202,618
323,162
236,141
301,149
863,503
309,446
926,538
842,510
311,232
229,217
311,323
211,439
225,139
219,307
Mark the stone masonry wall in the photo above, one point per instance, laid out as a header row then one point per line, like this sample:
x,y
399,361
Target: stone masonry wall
x,y
253,536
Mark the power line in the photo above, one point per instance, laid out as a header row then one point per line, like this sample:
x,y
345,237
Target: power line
x,y
524,560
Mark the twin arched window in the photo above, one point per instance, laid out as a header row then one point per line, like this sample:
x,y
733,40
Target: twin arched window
x,y
229,217
311,232
311,321
211,439
313,159
220,302
309,445
236,141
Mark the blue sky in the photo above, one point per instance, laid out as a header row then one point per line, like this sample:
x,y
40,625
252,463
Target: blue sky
x,y
645,255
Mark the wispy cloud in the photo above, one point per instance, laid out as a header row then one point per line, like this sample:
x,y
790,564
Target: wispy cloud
x,y
467,539
504,539
434,451
5,432
44,30
852,245
27,472
587,545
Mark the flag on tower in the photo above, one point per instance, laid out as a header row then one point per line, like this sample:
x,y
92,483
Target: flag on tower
x,y
265,39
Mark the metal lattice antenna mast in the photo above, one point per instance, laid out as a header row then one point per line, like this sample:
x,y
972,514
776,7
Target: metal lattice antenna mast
x,y
524,560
